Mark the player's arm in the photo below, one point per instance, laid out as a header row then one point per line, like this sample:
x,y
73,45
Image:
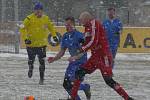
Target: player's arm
x,y
105,48
119,27
52,29
23,30
76,57
108,58
58,55
93,40
24,25
102,39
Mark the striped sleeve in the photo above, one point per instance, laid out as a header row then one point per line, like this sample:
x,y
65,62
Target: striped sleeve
x,y
93,39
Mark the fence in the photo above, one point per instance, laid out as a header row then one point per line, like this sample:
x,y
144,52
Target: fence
x,y
135,13
9,38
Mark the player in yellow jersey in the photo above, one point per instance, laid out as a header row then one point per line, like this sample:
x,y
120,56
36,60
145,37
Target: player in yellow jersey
x,y
35,29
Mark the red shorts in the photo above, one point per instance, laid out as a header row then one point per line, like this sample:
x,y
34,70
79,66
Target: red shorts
x,y
94,63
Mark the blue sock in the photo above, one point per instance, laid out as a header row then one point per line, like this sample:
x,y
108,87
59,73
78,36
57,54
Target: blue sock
x,y
84,86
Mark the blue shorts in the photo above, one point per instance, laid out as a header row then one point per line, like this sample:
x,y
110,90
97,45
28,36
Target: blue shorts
x,y
114,51
71,70
114,47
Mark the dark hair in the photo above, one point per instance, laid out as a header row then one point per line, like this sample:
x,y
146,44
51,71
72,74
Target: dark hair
x,y
111,8
70,18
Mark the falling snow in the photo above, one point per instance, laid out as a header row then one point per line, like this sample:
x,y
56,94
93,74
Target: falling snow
x,y
131,70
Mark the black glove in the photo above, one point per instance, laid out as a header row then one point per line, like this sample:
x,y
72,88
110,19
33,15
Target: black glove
x,y
117,33
27,41
55,39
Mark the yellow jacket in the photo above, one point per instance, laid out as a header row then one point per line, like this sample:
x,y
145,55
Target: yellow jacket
x,y
37,30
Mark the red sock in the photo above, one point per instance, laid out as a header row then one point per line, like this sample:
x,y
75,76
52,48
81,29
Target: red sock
x,y
75,89
121,92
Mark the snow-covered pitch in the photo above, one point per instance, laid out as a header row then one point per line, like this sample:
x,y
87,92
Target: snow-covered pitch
x,y
131,70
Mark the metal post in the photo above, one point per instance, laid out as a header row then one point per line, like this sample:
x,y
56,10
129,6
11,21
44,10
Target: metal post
x,y
16,20
17,44
16,10
3,10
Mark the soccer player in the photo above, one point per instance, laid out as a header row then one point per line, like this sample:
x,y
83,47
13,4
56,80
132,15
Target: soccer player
x,y
113,28
101,57
72,40
35,30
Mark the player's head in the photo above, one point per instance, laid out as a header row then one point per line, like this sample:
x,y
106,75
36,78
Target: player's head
x,y
38,9
111,12
70,24
85,17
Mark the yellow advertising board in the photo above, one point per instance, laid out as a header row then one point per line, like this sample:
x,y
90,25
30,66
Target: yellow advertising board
x,y
133,39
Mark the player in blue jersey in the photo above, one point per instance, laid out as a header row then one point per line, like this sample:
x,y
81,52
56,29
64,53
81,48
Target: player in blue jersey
x,y
113,28
72,40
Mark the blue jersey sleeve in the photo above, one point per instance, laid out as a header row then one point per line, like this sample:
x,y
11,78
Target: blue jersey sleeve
x,y
118,25
63,44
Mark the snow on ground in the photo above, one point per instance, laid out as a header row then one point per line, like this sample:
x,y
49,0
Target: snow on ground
x,y
131,70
